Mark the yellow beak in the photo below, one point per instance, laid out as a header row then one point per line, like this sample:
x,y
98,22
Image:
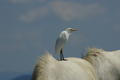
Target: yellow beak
x,y
74,29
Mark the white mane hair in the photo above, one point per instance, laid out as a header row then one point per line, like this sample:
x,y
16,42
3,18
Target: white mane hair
x,y
48,68
107,64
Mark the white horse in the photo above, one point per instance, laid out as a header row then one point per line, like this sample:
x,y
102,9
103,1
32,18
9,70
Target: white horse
x,y
107,64
48,68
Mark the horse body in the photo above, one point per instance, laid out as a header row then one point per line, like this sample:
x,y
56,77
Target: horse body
x,y
48,68
106,64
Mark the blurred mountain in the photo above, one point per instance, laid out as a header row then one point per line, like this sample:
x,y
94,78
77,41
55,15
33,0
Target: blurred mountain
x,y
22,77
14,76
8,75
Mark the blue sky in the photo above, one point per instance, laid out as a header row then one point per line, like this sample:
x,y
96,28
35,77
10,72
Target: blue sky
x,y
27,27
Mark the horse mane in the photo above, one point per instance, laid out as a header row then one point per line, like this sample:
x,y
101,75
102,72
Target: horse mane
x,y
48,68
94,52
106,63
39,71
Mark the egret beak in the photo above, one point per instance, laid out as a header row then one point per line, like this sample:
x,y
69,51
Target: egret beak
x,y
74,29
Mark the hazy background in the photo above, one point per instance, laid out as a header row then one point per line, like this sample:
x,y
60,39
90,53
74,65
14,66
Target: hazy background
x,y
27,27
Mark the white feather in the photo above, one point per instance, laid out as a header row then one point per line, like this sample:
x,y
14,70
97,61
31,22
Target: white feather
x,y
62,39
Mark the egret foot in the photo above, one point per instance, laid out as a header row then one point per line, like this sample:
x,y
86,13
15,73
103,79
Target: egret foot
x,y
61,56
64,59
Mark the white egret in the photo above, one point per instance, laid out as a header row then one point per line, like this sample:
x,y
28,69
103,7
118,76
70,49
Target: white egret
x,y
62,40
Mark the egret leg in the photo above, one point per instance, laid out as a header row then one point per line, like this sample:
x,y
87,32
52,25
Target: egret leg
x,y
61,55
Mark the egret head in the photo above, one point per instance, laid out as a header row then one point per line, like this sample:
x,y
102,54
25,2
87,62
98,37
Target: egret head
x,y
69,30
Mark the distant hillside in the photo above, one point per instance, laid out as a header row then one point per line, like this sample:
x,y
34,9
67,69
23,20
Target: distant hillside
x,y
15,76
8,75
22,77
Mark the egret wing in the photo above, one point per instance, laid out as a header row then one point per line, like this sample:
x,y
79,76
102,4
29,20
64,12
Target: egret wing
x,y
60,42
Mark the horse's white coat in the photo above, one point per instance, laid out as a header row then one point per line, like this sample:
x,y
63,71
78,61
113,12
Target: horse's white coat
x,y
48,68
107,64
